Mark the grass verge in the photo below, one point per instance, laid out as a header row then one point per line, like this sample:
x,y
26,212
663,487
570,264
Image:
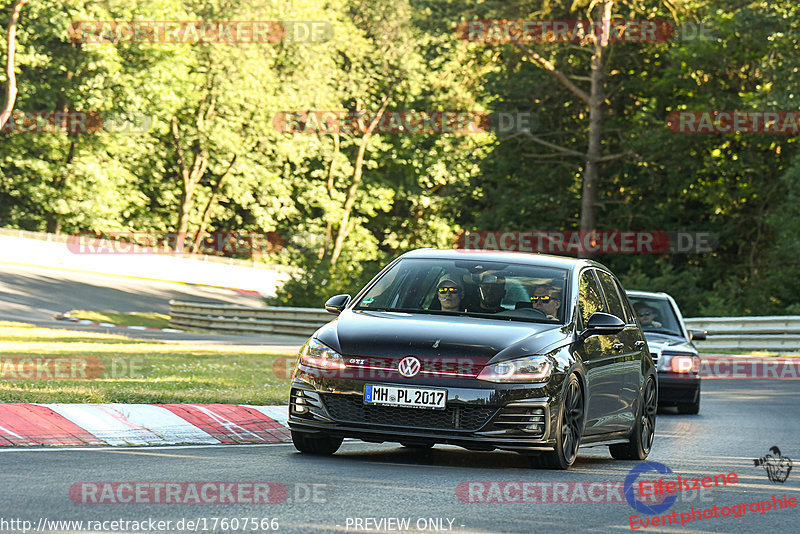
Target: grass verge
x,y
49,365
150,320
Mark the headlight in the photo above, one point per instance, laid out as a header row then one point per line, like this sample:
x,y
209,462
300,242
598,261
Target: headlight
x,y
680,363
320,356
528,369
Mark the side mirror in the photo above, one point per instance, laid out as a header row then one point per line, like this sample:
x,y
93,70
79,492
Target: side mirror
x,y
336,304
697,335
601,324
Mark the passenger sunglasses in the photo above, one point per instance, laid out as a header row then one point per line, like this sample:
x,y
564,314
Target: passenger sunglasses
x,y
445,290
543,298
645,314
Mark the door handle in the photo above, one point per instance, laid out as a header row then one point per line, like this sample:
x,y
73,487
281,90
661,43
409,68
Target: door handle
x,y
618,345
639,344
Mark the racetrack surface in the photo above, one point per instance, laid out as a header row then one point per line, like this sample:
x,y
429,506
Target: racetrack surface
x,y
34,295
738,422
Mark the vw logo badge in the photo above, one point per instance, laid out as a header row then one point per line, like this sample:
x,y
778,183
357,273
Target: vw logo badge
x,y
409,366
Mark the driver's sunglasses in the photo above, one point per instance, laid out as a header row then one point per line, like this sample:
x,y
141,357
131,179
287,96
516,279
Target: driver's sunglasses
x,y
645,314
445,290
542,298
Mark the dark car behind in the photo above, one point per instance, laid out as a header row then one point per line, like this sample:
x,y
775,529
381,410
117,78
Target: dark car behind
x,y
670,342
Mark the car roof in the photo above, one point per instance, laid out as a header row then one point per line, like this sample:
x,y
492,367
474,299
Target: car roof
x,y
540,260
647,294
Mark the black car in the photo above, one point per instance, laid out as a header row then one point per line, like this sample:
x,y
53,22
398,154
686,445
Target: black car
x,y
521,352
671,347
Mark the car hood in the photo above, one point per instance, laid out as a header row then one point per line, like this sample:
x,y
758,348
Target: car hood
x,y
661,342
396,335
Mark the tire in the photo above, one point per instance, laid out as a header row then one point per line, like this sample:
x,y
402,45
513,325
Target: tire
x,y
319,444
644,430
569,429
419,446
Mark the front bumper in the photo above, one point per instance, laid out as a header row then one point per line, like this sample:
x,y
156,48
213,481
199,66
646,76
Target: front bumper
x,y
501,416
674,388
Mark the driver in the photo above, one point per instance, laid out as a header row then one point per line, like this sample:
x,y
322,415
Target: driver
x,y
547,299
647,315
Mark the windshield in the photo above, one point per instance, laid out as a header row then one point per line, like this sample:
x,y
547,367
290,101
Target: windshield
x,y
470,288
656,315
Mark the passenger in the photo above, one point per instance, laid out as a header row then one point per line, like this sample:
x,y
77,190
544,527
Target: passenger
x,y
547,299
647,315
492,289
450,294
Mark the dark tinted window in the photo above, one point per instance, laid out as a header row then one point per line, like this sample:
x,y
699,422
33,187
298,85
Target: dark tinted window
x,y
626,303
612,296
656,315
411,285
589,299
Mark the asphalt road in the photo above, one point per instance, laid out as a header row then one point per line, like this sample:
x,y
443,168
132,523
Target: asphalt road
x,y
739,421
35,295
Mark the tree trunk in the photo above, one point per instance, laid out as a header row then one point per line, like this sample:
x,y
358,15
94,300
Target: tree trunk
x,y
11,84
341,235
189,180
211,201
329,227
594,101
344,229
594,150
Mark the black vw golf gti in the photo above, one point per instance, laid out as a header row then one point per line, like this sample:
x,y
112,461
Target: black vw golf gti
x,y
485,350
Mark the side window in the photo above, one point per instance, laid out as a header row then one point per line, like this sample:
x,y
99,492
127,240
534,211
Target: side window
x,y
626,303
612,295
589,298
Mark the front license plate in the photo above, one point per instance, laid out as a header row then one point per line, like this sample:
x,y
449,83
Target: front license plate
x,y
432,399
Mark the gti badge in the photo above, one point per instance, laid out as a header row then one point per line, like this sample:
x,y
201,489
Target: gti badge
x,y
409,366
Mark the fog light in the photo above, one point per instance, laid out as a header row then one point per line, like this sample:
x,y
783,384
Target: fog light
x,y
299,403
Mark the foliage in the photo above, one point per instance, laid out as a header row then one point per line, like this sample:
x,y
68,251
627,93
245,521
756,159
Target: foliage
x,y
213,105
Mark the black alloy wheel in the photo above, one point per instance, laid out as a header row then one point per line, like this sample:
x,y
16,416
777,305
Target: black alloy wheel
x,y
638,447
570,429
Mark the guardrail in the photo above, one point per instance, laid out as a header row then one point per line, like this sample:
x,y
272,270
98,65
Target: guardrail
x,y
724,333
779,332
233,319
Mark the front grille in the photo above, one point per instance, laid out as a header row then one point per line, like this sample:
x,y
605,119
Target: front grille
x,y
351,409
654,355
